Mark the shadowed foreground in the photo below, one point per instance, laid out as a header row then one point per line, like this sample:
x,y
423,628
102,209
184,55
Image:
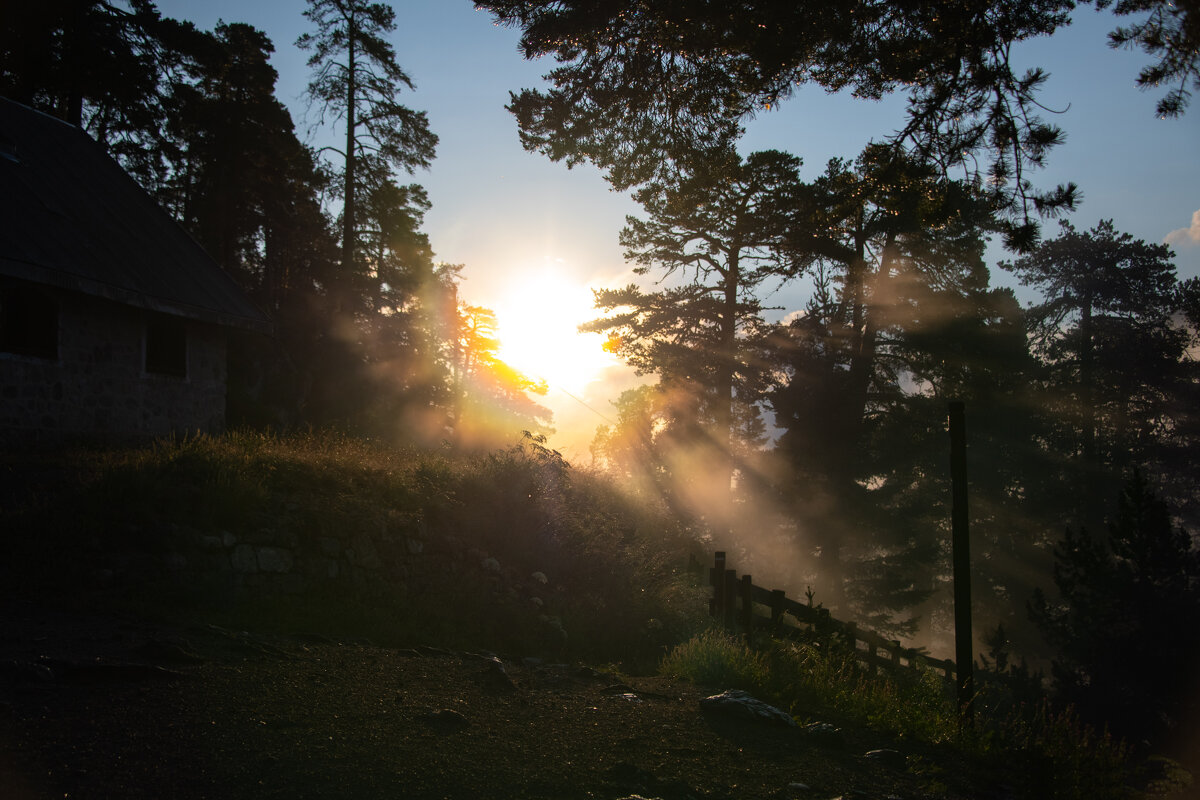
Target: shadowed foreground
x,y
102,707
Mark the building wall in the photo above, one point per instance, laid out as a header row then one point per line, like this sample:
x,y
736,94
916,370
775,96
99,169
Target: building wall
x,y
98,385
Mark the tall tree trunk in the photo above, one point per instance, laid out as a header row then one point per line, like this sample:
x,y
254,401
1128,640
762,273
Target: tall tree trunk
x,y
348,186
723,411
1086,390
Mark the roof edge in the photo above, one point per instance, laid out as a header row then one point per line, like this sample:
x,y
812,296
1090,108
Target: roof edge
x,y
37,273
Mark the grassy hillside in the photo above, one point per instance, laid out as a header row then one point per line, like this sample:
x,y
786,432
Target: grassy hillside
x,y
511,550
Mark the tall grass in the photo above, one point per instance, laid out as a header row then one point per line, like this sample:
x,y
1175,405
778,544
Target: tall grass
x,y
1036,751
616,585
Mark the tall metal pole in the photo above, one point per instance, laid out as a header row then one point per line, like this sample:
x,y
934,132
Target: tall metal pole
x,y
960,526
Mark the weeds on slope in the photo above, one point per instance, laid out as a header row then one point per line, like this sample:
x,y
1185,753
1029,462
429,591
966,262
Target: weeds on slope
x,y
1036,750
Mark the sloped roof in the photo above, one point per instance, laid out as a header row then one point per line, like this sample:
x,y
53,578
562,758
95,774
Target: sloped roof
x,y
70,217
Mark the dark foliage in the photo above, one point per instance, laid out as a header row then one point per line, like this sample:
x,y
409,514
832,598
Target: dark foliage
x,y
644,84
1126,623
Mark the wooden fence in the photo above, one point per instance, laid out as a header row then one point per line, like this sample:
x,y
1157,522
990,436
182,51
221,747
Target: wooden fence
x,y
734,603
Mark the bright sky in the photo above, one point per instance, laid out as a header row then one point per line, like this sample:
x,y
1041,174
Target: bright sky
x,y
533,235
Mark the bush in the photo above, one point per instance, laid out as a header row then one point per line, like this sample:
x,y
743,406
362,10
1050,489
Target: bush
x,y
717,659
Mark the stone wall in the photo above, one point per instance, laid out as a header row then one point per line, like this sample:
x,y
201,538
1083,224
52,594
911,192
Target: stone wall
x,y
278,561
98,386
394,561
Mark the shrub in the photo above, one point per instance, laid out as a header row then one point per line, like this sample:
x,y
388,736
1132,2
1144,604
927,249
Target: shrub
x,y
714,658
1044,754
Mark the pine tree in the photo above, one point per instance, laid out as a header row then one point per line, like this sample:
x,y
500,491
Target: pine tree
x,y
714,238
1126,622
356,82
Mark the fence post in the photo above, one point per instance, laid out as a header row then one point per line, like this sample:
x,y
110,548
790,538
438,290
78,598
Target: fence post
x,y
778,598
960,522
716,579
730,610
747,606
895,654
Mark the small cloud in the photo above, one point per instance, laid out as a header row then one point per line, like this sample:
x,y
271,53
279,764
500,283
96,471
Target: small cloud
x,y
1186,237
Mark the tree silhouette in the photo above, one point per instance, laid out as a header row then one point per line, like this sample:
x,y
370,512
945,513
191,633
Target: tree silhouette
x,y
490,398
1115,357
1170,31
237,170
1126,622
714,238
101,67
901,319
356,81
643,85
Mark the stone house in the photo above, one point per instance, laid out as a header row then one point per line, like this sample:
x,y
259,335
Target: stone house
x,y
113,320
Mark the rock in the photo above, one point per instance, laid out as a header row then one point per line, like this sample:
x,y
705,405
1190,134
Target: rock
x,y
735,702
540,577
25,672
634,782
166,652
415,546
495,678
211,544
274,559
824,735
362,553
243,559
490,565
891,759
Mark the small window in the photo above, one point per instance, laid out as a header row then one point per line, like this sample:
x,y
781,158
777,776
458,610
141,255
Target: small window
x,y
28,321
166,347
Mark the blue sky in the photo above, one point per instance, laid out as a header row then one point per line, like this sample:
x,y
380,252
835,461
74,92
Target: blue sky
x,y
513,218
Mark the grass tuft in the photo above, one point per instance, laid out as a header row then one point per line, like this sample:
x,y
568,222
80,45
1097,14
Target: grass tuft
x,y
1036,751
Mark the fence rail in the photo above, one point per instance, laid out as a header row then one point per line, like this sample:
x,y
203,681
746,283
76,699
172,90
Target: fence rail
x,y
734,601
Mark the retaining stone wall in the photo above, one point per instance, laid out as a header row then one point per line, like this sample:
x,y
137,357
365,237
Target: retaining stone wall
x,y
272,561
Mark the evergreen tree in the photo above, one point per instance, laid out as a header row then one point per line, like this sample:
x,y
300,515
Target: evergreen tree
x,y
237,169
356,82
1115,358
898,260
105,67
1126,622
714,238
491,399
1170,31
642,85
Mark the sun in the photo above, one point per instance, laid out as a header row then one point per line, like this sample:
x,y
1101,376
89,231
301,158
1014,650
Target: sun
x,y
538,325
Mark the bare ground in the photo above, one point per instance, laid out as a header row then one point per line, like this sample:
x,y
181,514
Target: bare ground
x,y
98,706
